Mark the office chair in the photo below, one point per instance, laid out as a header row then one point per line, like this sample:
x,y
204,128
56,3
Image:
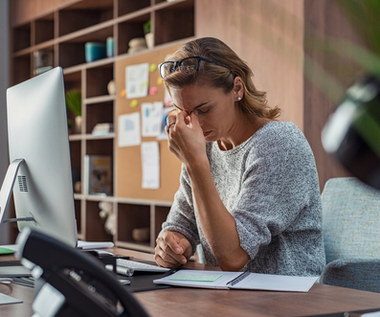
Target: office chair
x,y
351,230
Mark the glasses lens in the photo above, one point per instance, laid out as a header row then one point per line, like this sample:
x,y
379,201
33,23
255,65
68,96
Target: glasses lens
x,y
166,68
188,65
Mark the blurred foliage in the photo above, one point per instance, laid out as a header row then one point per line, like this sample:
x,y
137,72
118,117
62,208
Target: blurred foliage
x,y
74,101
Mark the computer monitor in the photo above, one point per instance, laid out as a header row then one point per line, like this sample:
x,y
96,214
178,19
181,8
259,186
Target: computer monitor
x,y
39,154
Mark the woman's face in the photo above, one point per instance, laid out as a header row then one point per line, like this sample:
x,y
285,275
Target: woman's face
x,y
215,109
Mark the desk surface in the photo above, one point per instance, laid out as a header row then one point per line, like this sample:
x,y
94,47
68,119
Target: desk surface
x,y
321,299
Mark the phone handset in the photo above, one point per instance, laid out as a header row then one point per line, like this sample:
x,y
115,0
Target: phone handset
x,y
76,284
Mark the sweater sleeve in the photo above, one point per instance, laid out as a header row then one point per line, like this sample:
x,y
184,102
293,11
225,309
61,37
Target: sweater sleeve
x,y
181,217
279,183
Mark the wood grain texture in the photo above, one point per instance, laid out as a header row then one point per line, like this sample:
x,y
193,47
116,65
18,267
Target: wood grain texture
x,y
268,35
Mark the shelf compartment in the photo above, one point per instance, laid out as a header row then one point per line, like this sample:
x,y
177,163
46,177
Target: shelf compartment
x,y
75,156
98,113
72,51
125,7
22,37
78,217
43,60
84,14
72,80
99,147
95,230
98,79
129,217
44,29
21,68
177,20
160,214
130,29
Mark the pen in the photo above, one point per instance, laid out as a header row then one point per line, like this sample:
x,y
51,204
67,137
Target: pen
x,y
238,278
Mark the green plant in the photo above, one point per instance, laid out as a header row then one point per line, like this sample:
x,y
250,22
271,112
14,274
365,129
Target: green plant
x,y
74,101
147,27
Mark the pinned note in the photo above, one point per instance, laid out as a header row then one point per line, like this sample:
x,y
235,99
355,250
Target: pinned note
x,y
136,80
151,114
129,129
150,161
152,67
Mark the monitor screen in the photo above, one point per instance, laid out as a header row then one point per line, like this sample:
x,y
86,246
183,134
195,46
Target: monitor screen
x,y
38,134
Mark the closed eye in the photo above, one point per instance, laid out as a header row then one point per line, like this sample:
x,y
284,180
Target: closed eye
x,y
202,110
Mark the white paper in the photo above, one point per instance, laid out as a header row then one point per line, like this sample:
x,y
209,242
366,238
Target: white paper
x,y
5,299
150,161
136,80
129,129
151,114
276,282
163,135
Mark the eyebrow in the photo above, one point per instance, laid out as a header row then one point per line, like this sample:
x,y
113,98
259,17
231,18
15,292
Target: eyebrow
x,y
196,107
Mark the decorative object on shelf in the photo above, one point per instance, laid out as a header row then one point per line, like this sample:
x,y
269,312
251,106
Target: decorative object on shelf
x,y
136,44
74,105
149,36
111,88
108,216
110,44
102,129
98,175
94,51
77,187
43,61
140,234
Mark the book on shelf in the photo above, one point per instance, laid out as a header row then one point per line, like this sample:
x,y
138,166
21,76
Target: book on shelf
x,y
98,175
238,280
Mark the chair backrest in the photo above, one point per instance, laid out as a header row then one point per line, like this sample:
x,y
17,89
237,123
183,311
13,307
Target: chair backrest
x,y
351,219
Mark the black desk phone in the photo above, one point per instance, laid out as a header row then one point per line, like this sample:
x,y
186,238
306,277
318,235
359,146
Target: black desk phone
x,y
75,283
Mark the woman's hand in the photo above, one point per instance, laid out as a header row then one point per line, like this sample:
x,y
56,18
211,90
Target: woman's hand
x,y
172,249
186,138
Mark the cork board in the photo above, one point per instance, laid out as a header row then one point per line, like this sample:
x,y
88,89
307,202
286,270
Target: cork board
x,y
128,169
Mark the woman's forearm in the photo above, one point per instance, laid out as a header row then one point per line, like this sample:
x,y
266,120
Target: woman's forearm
x,y
217,223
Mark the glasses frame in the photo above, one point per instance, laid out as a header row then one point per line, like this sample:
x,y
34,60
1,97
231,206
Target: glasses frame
x,y
177,64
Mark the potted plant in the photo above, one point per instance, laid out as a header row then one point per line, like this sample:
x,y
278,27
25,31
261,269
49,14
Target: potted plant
x,y
74,105
149,37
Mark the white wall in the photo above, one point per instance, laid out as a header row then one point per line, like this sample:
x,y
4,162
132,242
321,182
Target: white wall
x,y
4,84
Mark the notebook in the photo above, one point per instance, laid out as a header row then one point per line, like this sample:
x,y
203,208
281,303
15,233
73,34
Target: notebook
x,y
238,280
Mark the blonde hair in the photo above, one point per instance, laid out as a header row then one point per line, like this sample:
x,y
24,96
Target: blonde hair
x,y
254,101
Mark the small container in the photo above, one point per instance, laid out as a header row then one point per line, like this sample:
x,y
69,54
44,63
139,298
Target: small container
x,y
94,51
110,46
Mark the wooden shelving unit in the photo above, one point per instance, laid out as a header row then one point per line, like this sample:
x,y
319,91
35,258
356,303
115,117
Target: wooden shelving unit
x,y
62,33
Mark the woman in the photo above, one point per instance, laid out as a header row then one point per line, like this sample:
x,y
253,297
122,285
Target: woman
x,y
249,191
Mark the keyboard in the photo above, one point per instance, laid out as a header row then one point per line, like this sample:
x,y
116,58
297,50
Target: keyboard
x,y
127,267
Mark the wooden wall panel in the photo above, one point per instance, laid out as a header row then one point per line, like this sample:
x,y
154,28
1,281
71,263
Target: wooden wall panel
x,y
268,35
327,19
22,11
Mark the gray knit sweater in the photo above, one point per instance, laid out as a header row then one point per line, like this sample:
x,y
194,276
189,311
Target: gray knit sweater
x,y
269,184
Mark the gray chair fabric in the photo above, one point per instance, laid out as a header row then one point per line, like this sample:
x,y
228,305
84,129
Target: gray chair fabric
x,y
351,231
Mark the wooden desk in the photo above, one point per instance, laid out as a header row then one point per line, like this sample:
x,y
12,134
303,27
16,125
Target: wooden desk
x,y
321,299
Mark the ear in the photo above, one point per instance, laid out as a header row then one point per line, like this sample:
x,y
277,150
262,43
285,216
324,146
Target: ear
x,y
238,88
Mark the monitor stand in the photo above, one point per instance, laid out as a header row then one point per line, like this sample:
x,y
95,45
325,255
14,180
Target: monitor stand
x,y
6,190
7,187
